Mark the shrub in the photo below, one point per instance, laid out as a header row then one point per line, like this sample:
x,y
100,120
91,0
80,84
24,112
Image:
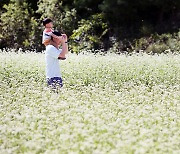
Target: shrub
x,y
19,29
155,43
89,33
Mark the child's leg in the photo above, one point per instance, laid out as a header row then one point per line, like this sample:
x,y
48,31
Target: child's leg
x,y
63,53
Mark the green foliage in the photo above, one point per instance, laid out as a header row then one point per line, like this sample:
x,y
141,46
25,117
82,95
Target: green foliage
x,y
157,48
3,2
146,29
18,27
89,34
34,39
161,43
165,43
135,16
154,44
51,9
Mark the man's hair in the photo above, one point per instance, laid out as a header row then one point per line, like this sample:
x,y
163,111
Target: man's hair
x,y
46,21
56,33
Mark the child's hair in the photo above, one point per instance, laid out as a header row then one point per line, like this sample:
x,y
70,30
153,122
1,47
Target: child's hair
x,y
46,21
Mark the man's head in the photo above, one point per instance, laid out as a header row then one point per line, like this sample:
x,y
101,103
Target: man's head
x,y
48,23
56,40
56,33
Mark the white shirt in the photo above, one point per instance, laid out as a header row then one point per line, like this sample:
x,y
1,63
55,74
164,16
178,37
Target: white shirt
x,y
46,36
52,62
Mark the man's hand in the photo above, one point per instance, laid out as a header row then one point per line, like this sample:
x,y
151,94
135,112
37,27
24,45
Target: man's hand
x,y
63,38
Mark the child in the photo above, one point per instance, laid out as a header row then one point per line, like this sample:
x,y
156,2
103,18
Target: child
x,y
48,34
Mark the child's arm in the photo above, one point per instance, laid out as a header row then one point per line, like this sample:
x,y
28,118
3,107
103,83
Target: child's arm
x,y
47,39
46,42
49,42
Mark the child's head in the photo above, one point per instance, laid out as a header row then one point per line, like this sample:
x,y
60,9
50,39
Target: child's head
x,y
48,23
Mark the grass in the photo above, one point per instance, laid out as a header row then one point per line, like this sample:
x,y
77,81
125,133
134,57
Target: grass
x,y
109,104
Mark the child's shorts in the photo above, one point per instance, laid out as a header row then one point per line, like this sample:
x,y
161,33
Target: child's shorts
x,y
55,82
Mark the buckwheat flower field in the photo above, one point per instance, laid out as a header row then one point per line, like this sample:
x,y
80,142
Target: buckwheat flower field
x,y
109,104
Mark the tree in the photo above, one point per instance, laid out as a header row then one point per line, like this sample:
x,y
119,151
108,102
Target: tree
x,y
17,25
90,33
89,24
64,18
128,19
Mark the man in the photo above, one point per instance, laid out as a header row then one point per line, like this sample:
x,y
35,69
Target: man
x,y
52,54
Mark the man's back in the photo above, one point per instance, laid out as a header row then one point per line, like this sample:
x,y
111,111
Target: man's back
x,y
52,62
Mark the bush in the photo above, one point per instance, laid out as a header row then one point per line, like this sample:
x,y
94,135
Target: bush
x,y
19,29
89,34
155,43
157,48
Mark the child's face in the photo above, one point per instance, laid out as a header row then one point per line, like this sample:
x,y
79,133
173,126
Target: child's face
x,y
49,25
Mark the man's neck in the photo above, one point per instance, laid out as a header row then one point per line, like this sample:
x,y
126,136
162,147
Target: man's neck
x,y
55,45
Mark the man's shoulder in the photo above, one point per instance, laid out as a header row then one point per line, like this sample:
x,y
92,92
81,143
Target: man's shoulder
x,y
51,47
52,51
